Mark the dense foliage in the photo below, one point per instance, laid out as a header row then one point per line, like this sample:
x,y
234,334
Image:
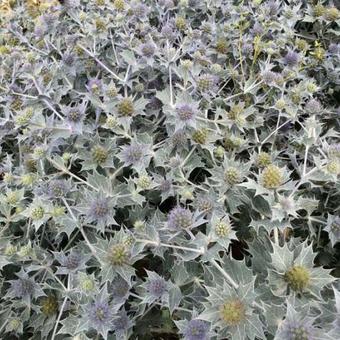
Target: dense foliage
x,y
169,169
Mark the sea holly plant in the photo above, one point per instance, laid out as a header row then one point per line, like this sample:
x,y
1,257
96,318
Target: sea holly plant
x,y
293,271
169,169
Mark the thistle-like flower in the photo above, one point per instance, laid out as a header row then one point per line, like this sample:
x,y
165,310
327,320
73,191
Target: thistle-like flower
x,y
333,229
272,177
298,326
294,272
24,288
196,329
186,112
180,218
49,305
100,316
72,262
229,309
291,59
119,290
155,288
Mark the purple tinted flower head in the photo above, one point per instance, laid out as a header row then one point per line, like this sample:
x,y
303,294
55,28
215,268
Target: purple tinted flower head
x,y
168,32
291,58
119,289
296,330
180,218
23,287
334,48
94,86
196,330
121,323
186,112
132,154
99,209
269,77
334,150
57,188
48,19
247,48
273,7
75,116
147,50
179,139
257,29
68,59
139,10
157,287
165,185
166,3
297,326
313,106
100,316
73,260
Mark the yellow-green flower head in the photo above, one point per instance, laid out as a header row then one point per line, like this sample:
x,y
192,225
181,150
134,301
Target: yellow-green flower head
x,y
66,156
232,176
126,107
10,250
200,136
12,197
272,177
8,177
100,25
263,159
37,213
49,305
129,241
280,104
39,152
186,64
14,324
298,278
144,182
27,179
332,14
139,225
31,165
319,10
58,211
219,151
119,5
233,312
333,167
25,250
118,254
87,284
111,122
221,46
180,23
222,229
99,154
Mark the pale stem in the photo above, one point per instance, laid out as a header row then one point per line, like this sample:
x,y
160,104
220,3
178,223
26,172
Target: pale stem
x,y
93,250
224,273
170,85
61,312
305,161
159,304
275,131
276,236
188,156
100,63
66,171
160,244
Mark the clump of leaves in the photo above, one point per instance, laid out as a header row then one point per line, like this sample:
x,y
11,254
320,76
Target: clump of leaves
x,y
169,169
